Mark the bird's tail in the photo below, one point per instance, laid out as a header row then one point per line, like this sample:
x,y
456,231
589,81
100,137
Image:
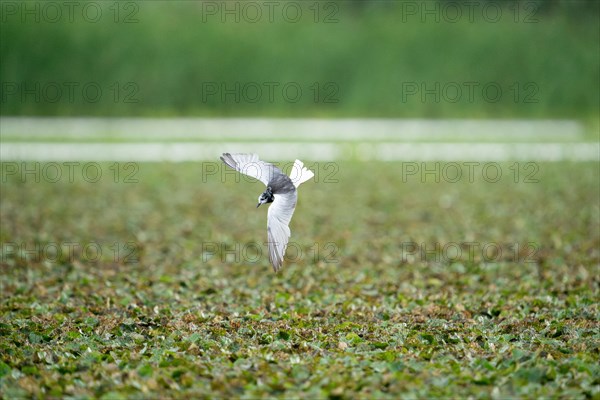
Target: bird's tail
x,y
300,173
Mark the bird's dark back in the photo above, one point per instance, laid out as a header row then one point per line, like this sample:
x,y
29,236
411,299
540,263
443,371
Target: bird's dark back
x,y
281,184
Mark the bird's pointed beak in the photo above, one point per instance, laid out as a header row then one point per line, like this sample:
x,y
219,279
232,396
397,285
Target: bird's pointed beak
x,y
258,205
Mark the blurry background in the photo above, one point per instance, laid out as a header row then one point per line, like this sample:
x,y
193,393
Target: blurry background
x,y
409,70
349,58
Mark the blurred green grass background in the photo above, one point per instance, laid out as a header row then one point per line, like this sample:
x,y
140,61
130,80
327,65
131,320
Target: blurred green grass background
x,y
368,52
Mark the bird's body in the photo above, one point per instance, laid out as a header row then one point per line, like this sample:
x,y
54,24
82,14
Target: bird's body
x,y
281,191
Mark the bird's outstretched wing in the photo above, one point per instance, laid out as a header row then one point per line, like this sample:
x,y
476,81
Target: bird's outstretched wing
x,y
278,230
249,164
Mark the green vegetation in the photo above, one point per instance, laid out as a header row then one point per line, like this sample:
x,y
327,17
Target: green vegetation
x,y
153,281
365,59
166,317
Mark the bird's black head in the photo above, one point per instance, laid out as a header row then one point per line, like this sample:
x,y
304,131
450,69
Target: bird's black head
x,y
266,197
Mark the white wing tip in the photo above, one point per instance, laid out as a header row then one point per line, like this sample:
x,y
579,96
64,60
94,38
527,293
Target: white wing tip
x,y
300,173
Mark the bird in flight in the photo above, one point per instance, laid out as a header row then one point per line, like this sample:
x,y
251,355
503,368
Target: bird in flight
x,y
281,191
